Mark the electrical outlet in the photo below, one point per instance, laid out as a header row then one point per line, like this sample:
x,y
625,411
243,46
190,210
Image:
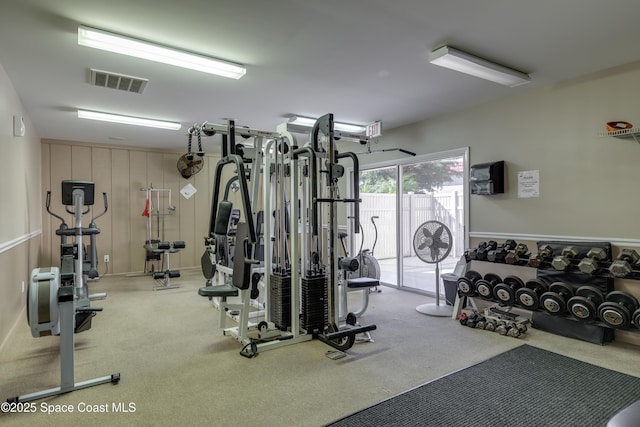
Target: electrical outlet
x,y
23,286
106,258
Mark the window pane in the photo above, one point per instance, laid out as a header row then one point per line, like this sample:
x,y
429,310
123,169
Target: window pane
x,y
378,189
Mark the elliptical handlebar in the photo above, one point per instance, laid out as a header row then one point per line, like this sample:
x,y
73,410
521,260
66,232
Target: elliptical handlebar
x,y
106,207
48,205
376,228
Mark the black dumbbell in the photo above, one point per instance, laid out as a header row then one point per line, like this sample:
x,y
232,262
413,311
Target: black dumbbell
x,y
463,319
538,260
482,252
589,265
469,255
623,265
505,292
502,327
518,254
500,253
584,305
482,321
563,261
555,299
617,310
466,284
484,287
490,325
529,295
517,329
472,254
474,320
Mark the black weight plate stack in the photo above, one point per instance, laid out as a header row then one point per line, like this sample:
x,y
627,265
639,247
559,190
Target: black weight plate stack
x,y
280,301
314,309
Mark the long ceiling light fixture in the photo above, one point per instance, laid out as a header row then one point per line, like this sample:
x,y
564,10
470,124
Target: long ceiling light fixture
x,y
111,42
308,122
137,121
454,59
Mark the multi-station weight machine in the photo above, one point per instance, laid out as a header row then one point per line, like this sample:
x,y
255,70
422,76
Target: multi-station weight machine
x,y
287,249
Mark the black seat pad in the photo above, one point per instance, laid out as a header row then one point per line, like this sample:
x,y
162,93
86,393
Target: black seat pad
x,y
362,282
218,291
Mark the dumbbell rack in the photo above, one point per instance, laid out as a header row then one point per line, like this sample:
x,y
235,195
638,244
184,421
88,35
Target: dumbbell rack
x,y
601,278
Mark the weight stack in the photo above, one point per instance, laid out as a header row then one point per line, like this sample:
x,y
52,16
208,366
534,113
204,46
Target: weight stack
x,y
314,304
280,300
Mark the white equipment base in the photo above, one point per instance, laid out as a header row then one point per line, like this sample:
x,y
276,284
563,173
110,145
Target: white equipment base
x,y
435,310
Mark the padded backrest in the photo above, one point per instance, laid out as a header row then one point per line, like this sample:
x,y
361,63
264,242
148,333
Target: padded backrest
x,y
208,267
222,219
259,250
241,269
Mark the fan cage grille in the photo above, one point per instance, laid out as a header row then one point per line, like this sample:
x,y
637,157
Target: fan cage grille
x,y
432,242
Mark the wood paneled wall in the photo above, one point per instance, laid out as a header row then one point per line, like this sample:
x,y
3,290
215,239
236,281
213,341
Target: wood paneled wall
x,y
122,172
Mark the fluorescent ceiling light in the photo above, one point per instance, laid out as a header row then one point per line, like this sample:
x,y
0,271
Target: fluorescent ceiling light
x,y
116,118
309,122
454,59
111,42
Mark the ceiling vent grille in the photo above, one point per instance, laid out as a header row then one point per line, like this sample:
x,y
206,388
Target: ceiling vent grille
x,y
117,81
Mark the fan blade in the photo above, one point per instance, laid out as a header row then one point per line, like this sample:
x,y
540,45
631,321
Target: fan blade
x,y
435,253
442,245
438,233
422,245
427,233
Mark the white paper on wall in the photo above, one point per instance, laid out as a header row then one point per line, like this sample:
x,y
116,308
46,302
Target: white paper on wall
x,y
187,191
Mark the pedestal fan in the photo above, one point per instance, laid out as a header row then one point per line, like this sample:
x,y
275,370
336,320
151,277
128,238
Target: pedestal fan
x,y
432,244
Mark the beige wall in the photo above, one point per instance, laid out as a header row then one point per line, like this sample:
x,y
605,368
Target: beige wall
x,y
20,221
587,183
121,173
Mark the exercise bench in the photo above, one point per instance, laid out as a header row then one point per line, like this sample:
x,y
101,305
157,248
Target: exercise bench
x,y
165,249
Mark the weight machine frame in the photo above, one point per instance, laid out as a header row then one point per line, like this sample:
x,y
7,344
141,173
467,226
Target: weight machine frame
x,y
277,159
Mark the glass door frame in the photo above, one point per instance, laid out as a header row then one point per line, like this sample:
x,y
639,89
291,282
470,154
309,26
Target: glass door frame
x,y
398,163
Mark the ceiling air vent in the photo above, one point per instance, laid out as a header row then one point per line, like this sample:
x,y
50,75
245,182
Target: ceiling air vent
x,y
117,81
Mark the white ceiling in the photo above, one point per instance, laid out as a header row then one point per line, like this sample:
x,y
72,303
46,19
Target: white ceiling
x,y
362,60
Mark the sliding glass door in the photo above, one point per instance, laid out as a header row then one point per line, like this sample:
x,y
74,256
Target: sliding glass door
x,y
400,198
432,193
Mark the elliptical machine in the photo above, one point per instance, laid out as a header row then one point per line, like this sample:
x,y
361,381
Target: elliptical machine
x,y
90,256
58,299
368,265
